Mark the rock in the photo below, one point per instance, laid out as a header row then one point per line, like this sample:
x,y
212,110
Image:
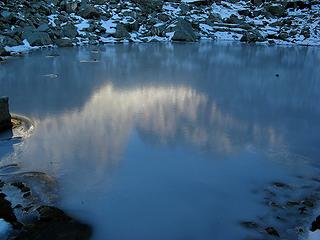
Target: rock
x,y
315,224
233,19
63,42
36,38
5,117
149,6
257,2
121,31
69,31
3,53
272,231
298,4
277,10
252,37
54,224
6,212
183,31
89,12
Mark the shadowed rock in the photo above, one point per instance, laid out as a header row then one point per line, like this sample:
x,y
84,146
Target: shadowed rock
x,y
5,117
54,224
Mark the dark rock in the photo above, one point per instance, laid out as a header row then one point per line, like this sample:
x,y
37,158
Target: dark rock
x,y
36,38
252,37
250,225
69,31
5,117
63,42
4,52
183,31
121,31
298,5
54,224
89,12
277,10
272,231
6,212
21,186
315,224
149,6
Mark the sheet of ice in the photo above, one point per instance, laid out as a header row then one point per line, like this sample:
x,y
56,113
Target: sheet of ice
x,y
20,48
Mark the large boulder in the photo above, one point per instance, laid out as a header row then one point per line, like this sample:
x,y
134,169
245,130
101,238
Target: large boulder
x,y
121,31
5,117
277,10
69,31
37,38
89,12
183,31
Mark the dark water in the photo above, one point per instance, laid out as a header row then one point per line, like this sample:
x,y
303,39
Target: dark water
x,y
167,141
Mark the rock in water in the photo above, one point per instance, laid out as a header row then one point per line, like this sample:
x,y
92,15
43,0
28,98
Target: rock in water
x,y
54,224
5,117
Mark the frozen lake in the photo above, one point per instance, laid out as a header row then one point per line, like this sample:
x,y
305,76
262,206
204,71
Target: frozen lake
x,y
169,141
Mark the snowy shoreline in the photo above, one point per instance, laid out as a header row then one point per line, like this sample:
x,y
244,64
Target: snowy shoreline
x,y
73,23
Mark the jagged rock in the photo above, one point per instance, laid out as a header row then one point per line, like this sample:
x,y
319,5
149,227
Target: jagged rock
x,y
5,117
183,31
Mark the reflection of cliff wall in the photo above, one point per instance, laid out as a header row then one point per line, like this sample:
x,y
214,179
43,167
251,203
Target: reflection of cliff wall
x,y
233,75
163,115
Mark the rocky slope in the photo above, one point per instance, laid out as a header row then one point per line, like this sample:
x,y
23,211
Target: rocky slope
x,y
28,24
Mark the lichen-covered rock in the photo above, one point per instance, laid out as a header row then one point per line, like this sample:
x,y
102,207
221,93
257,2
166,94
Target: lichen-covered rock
x,y
5,117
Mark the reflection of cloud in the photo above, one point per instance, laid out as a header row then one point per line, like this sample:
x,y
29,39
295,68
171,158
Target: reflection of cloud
x,y
163,115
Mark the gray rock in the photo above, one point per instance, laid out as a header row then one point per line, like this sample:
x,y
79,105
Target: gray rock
x,y
277,10
63,42
69,31
3,52
121,31
183,31
252,37
149,6
5,117
36,38
89,12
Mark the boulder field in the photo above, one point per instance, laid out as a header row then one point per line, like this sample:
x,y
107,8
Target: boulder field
x,y
28,24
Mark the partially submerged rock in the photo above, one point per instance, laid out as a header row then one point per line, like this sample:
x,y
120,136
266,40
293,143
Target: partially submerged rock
x,y
54,224
5,117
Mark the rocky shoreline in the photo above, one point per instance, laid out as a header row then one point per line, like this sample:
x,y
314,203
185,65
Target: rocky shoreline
x,y
28,199
29,24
